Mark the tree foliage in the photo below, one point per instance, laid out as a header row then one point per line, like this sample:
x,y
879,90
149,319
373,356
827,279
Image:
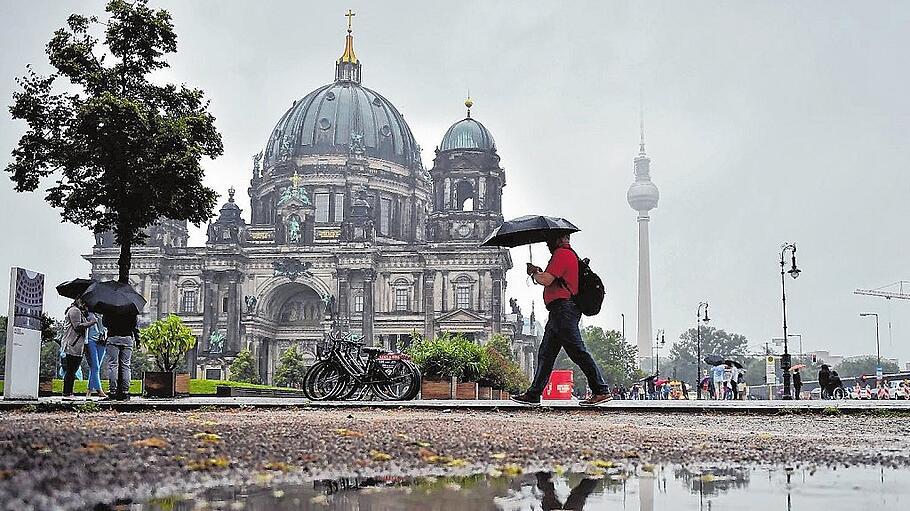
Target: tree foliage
x,y
167,341
864,366
615,357
291,369
123,151
50,361
243,368
683,354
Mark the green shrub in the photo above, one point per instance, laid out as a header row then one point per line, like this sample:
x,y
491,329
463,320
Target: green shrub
x,y
449,356
291,369
167,340
243,368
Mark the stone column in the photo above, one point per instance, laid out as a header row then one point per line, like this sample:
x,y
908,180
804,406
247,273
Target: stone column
x,y
264,361
154,296
233,343
418,294
480,286
369,276
496,300
445,291
429,307
208,309
343,290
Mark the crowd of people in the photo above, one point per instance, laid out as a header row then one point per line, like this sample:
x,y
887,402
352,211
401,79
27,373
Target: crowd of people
x,y
724,381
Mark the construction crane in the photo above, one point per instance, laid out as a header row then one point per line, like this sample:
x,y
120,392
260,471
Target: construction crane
x,y
888,292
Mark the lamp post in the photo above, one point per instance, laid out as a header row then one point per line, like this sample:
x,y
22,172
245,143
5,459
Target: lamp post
x,y
698,321
659,342
623,316
794,272
878,351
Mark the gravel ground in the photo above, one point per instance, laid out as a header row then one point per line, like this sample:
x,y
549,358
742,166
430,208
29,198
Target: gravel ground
x,y
70,461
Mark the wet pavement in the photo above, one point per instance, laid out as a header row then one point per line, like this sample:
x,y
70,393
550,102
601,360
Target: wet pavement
x,y
67,460
626,487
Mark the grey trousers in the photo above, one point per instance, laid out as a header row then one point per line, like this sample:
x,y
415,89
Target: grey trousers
x,y
119,357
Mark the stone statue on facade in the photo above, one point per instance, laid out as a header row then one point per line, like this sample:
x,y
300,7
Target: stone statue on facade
x,y
251,302
294,229
216,342
357,148
257,158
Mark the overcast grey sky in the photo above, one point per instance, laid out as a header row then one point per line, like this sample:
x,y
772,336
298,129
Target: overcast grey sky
x,y
765,121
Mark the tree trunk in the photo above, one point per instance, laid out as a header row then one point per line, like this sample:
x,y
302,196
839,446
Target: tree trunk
x,y
125,261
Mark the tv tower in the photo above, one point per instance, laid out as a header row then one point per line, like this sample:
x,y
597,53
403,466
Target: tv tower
x,y
643,197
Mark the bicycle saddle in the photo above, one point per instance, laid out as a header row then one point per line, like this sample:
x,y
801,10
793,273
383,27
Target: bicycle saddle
x,y
372,349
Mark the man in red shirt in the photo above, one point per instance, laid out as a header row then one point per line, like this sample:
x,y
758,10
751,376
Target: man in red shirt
x,y
560,281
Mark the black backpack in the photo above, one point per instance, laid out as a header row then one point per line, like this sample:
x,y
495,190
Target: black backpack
x,y
591,291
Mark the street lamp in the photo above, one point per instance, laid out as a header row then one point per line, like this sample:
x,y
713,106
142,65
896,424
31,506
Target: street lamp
x,y
659,342
623,327
878,351
698,321
794,272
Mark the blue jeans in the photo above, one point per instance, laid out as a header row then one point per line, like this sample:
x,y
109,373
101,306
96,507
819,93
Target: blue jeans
x,y
562,332
95,354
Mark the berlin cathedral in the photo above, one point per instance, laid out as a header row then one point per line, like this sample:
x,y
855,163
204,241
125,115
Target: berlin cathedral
x,y
348,230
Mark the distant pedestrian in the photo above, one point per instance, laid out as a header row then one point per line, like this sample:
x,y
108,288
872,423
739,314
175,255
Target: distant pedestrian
x,y
95,341
121,336
717,375
797,383
73,343
734,381
685,389
560,281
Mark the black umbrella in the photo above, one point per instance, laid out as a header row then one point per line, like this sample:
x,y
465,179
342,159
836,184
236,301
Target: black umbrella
x,y
713,360
112,297
74,288
733,362
528,229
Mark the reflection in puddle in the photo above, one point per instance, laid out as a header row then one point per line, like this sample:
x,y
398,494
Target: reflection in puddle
x,y
633,488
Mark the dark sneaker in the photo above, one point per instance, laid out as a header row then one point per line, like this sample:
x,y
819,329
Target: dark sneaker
x,y
595,400
526,399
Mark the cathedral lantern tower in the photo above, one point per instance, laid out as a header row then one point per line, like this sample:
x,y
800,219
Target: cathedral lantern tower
x,y
467,183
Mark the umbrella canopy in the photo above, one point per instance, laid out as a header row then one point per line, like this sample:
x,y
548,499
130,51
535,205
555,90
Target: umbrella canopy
x,y
529,229
797,367
733,363
713,360
74,288
112,297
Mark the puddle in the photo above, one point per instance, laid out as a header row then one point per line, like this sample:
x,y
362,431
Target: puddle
x,y
639,488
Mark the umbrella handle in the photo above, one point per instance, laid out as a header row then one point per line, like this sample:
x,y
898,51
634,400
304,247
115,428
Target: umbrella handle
x,y
530,255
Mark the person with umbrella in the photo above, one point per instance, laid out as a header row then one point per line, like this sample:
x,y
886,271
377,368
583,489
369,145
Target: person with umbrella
x,y
560,281
797,380
73,344
120,305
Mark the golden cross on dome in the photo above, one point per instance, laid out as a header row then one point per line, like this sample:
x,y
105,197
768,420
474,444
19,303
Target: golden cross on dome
x,y
350,14
295,179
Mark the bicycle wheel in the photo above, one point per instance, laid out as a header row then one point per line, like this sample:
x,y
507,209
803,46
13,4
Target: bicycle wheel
x,y
400,383
839,393
323,380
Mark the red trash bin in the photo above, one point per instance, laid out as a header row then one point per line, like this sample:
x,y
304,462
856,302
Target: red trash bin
x,y
560,385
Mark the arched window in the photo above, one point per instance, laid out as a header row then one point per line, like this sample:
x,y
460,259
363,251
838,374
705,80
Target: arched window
x,y
464,195
464,292
401,290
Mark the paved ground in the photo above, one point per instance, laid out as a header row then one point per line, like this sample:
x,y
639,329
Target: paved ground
x,y
191,403
70,460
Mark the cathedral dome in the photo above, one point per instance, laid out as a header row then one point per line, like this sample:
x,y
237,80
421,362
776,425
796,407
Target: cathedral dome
x,y
346,118
468,134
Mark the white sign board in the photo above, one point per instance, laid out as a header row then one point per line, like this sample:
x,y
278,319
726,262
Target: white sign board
x,y
770,373
23,334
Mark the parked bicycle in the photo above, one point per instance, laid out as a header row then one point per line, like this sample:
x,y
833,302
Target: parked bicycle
x,y
347,368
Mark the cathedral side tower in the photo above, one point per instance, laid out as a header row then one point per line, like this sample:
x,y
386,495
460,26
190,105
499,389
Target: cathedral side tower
x,y
467,183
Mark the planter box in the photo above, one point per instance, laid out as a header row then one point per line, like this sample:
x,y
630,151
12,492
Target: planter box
x,y
159,384
436,389
484,392
466,390
45,388
182,384
505,395
497,394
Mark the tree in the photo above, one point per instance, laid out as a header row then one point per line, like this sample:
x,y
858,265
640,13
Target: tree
x,y
861,366
615,357
501,344
167,340
50,361
291,369
683,354
123,150
243,368
51,329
